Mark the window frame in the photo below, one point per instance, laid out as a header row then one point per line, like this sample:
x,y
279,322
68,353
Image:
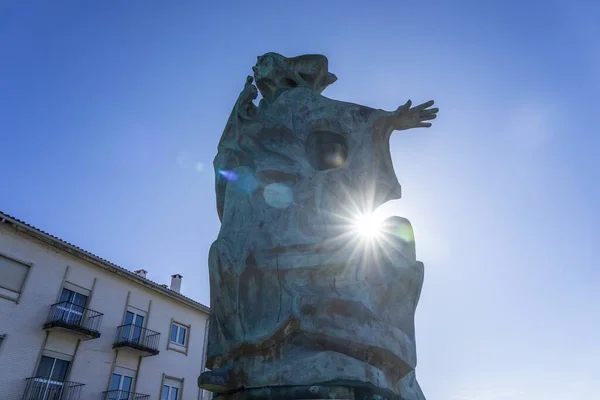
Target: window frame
x,y
122,379
176,346
124,372
72,312
169,389
50,381
54,364
178,329
164,382
18,294
72,295
136,331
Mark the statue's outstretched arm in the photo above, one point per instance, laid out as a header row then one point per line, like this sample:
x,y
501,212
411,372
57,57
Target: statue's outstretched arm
x,y
407,117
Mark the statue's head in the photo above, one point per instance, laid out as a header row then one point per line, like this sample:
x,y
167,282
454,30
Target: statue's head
x,y
275,73
316,161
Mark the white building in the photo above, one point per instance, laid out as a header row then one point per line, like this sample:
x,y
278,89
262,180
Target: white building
x,y
76,327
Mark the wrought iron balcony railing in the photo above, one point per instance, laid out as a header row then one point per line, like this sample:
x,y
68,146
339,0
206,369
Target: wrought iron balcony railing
x,y
38,388
123,395
138,338
74,317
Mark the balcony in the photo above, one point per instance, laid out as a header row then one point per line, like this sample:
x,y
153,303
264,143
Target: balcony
x,y
137,338
74,318
123,395
47,389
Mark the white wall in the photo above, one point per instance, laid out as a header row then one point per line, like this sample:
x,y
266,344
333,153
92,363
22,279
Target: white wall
x,y
93,360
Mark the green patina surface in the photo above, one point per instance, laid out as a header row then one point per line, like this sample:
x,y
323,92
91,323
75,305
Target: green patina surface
x,y
298,299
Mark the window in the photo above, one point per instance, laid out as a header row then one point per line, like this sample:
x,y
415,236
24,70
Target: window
x,y
169,393
52,369
132,331
171,388
12,277
48,383
178,334
71,296
178,337
72,306
120,387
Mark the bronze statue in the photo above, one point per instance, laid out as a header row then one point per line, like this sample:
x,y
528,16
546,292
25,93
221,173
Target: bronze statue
x,y
301,305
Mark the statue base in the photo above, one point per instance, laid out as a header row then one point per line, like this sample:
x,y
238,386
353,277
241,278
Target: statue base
x,y
309,392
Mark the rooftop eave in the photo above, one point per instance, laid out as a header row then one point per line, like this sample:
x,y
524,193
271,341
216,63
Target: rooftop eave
x,y
94,259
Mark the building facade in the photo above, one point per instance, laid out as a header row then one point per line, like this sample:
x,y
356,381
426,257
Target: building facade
x,y
76,327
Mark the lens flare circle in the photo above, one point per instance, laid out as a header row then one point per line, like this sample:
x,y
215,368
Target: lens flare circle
x,y
278,195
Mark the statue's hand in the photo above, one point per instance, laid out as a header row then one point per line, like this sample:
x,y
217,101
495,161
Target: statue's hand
x,y
245,106
250,91
406,117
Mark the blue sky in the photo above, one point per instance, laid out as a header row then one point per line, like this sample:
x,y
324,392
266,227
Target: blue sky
x,y
110,113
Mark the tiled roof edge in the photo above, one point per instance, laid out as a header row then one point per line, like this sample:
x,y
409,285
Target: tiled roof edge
x,y
94,259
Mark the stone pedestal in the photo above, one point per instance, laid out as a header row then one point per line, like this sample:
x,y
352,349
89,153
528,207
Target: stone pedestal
x,y
310,392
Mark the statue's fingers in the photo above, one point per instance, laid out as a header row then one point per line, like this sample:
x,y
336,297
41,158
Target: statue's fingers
x,y
428,117
406,106
430,111
424,125
423,106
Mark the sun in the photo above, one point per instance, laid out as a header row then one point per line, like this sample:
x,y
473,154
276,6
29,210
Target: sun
x,y
367,226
